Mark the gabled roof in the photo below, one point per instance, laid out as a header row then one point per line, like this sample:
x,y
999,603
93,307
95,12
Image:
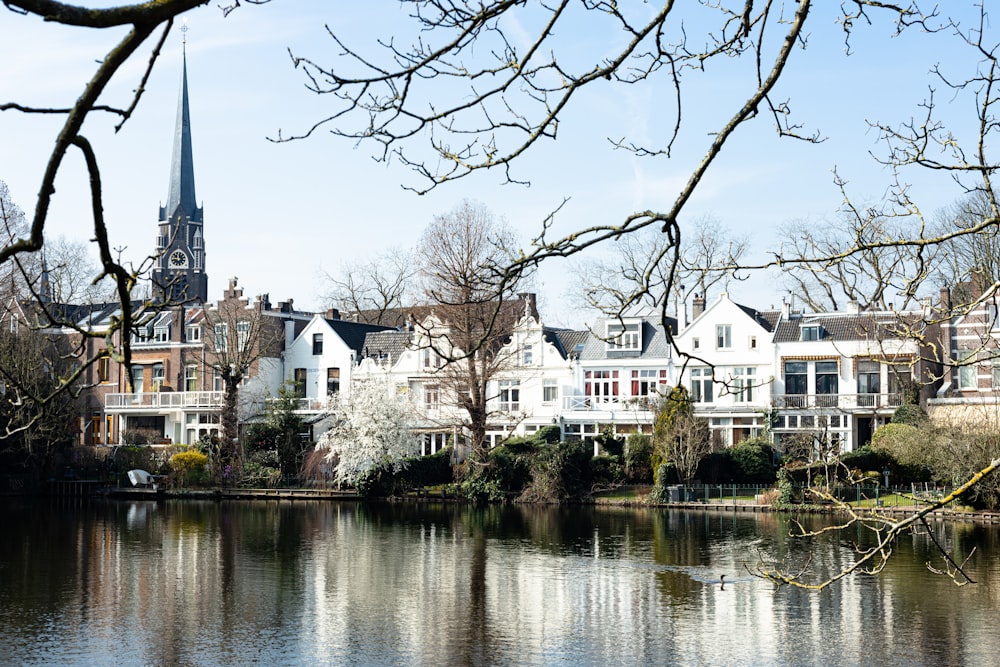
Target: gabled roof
x,y
389,344
852,326
353,333
768,319
654,340
569,343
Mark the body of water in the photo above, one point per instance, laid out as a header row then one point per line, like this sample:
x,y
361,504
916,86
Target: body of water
x,y
328,583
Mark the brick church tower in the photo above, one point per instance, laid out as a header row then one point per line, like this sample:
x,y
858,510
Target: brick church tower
x,y
179,270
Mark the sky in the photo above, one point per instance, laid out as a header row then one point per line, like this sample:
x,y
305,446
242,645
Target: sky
x,y
278,216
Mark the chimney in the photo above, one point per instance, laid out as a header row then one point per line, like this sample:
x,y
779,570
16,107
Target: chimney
x,y
853,307
945,300
697,306
332,314
289,333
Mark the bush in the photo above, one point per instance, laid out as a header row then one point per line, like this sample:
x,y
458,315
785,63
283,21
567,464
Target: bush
x,y
190,467
752,462
559,473
638,459
504,473
606,471
421,471
911,414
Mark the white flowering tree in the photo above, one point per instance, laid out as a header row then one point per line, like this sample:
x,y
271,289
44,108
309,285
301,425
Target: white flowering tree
x,y
372,429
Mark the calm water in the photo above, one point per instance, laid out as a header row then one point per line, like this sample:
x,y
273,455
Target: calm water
x,y
192,583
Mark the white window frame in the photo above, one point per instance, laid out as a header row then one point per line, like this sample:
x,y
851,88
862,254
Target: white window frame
x,y
510,395
624,337
550,390
723,336
220,336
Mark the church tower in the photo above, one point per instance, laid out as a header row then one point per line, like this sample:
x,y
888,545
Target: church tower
x,y
179,270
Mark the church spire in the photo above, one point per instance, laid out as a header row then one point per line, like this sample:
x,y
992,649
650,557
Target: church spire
x,y
179,272
181,190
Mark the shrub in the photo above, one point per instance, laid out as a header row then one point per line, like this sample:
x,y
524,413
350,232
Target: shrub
x,y
752,462
501,475
911,414
606,471
190,467
637,459
560,472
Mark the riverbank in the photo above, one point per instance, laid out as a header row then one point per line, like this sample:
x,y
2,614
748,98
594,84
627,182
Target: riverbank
x,y
633,500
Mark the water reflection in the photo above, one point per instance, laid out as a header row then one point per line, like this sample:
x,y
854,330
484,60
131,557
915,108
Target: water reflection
x,y
327,583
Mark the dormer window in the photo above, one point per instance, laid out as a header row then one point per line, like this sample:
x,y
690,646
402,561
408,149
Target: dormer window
x,y
161,334
811,332
193,333
624,336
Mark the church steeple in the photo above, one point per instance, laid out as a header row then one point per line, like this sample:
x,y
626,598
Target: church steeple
x,y
181,190
179,272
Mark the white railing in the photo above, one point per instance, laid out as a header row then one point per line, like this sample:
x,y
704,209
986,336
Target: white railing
x,y
605,403
163,399
305,404
839,401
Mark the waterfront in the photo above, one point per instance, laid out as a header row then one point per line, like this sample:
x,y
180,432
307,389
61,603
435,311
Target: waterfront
x,y
341,583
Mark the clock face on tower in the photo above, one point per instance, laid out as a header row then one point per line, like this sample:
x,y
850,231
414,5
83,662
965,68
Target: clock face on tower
x,y
178,260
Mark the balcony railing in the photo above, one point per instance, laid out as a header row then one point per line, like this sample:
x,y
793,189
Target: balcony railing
x,y
839,401
164,400
606,403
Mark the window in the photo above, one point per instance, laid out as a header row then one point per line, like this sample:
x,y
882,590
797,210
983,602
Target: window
x,y
193,333
796,383
300,382
432,396
13,324
103,369
695,343
242,335
137,377
723,336
191,377
217,382
967,370
332,381
752,343
827,383
646,381
550,390
996,372
624,336
510,395
868,377
221,334
526,355
161,334
701,385
744,384
811,332
109,426
95,428
317,343
431,358
601,385
157,376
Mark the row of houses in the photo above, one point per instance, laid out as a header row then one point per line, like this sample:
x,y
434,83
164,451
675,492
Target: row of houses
x,y
833,376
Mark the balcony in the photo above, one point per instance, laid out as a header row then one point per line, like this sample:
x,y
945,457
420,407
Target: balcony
x,y
585,403
838,401
163,400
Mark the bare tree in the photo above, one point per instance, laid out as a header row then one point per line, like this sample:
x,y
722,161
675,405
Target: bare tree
x,y
239,335
859,267
678,436
473,304
374,289
642,271
976,253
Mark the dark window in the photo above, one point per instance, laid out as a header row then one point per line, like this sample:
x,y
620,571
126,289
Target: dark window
x,y
318,343
332,380
300,382
796,377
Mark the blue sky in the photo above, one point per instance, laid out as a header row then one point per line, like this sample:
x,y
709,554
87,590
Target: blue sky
x,y
276,215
